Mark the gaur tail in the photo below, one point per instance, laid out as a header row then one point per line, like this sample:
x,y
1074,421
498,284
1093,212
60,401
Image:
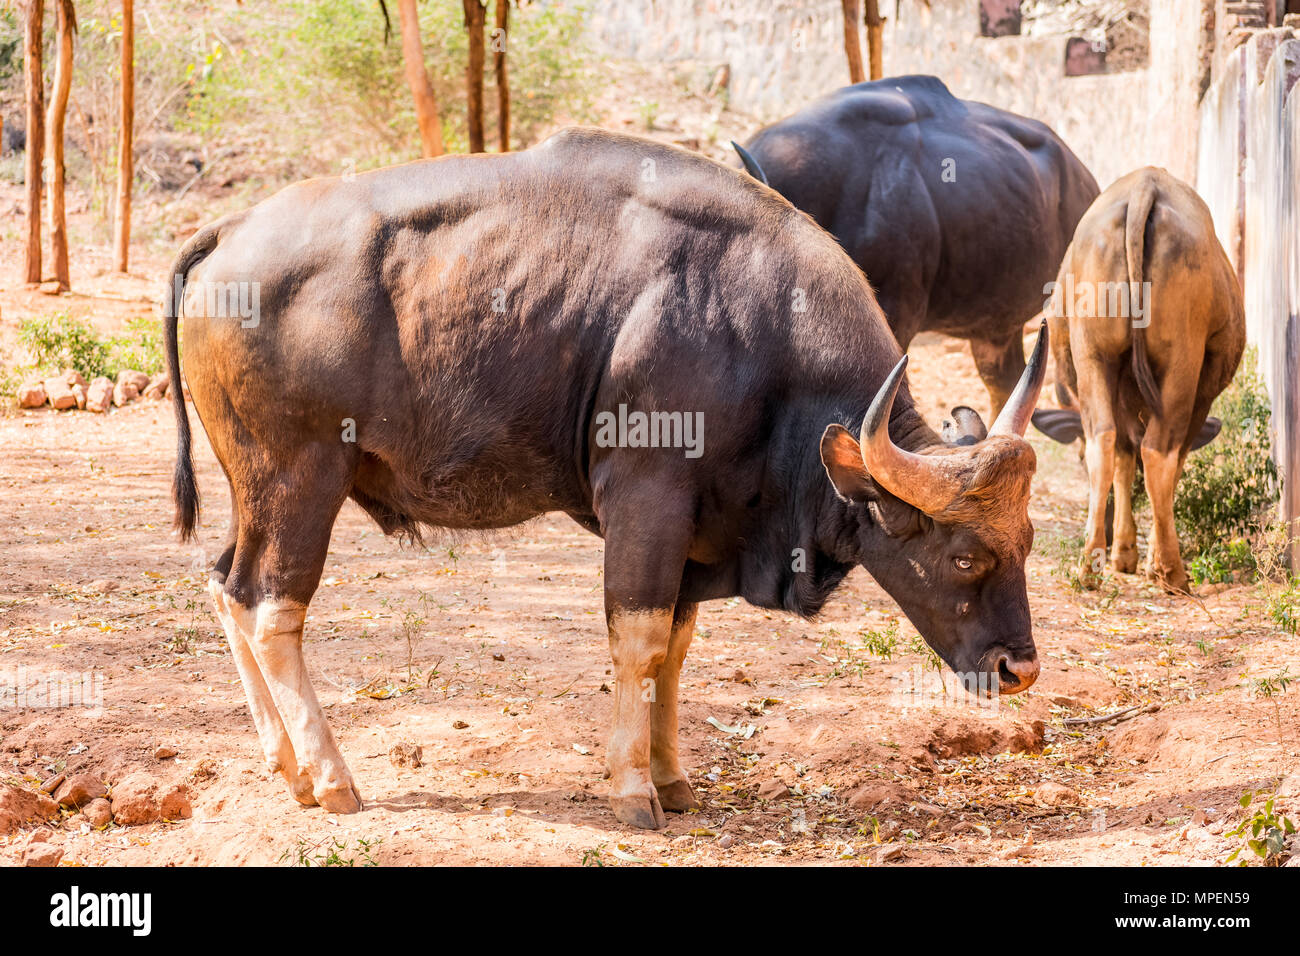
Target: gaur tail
x,y
185,490
1139,211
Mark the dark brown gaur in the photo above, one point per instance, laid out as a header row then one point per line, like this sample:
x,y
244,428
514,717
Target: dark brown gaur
x,y
441,341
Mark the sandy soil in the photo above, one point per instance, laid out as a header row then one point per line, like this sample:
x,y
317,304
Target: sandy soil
x,y
505,682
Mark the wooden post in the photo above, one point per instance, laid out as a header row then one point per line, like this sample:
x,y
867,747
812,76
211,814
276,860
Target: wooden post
x,y
33,167
499,45
475,18
58,111
852,42
417,77
875,38
125,162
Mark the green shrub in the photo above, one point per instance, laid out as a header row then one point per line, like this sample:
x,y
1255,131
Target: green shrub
x,y
59,341
1228,487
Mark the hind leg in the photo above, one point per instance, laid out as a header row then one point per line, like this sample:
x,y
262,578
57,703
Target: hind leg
x,y
285,525
270,728
1123,552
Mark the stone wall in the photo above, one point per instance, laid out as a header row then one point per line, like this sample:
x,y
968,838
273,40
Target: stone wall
x,y
783,53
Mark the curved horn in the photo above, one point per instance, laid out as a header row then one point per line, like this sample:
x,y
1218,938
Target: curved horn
x,y
1014,417
919,480
751,164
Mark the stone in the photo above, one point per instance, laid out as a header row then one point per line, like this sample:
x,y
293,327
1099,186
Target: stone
x,y
59,393
157,387
124,391
878,795
164,752
99,395
19,807
31,395
79,393
132,377
98,813
890,852
141,799
772,790
79,789
1051,794
40,853
406,754
52,783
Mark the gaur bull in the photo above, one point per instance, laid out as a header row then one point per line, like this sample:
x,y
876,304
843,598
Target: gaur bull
x,y
1147,329
957,212
471,326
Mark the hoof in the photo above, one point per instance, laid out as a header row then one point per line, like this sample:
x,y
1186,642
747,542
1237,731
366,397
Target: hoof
x,y
1174,582
343,800
1125,562
677,797
301,789
645,813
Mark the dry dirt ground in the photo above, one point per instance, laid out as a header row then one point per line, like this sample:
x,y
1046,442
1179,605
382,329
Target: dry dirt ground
x,y
490,654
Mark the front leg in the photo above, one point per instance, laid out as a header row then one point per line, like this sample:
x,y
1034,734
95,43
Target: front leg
x,y
645,554
675,793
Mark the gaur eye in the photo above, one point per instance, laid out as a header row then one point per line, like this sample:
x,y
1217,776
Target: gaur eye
x,y
963,564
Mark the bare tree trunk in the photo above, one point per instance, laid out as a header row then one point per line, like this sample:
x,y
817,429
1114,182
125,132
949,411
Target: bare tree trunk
x,y
58,111
503,81
125,162
875,38
417,77
35,134
852,42
475,18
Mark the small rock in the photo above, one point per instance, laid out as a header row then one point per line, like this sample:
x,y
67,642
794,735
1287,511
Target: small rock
x,y
725,841
406,755
164,753
878,795
140,799
124,391
79,789
73,378
157,387
52,783
98,813
889,852
132,377
59,393
772,790
459,725
99,395
79,393
1051,794
31,395
39,852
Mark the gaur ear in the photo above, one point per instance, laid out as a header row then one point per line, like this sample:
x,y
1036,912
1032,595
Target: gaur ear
x,y
1209,431
964,428
1059,424
842,456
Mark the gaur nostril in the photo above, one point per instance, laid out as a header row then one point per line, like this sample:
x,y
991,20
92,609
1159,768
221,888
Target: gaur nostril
x,y
1017,675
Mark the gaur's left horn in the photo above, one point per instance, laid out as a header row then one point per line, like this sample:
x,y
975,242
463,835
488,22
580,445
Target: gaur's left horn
x,y
923,481
1014,417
